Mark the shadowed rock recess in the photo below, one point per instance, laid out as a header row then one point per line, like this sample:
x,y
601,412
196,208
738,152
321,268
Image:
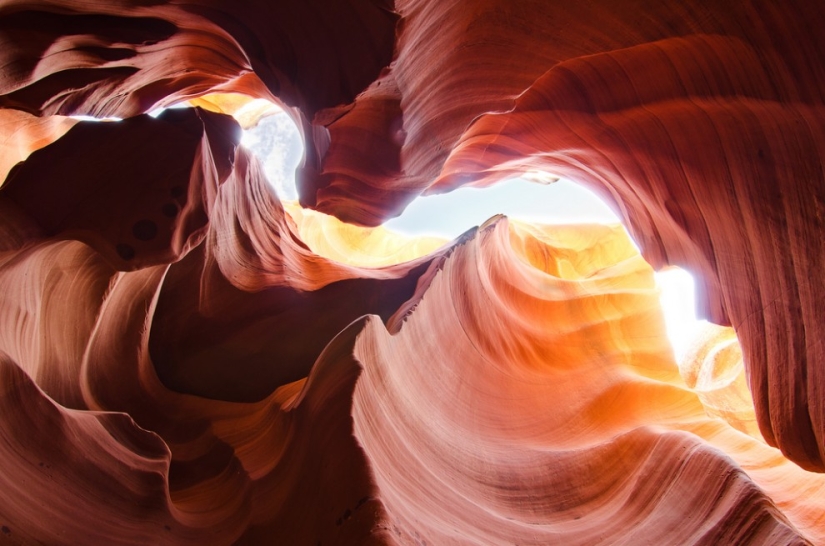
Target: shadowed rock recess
x,y
185,359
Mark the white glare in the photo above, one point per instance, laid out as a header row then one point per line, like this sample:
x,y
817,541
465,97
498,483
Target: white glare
x,y
92,118
275,140
449,215
678,302
158,111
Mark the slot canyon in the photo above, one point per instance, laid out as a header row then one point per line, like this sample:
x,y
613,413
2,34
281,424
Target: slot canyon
x,y
188,355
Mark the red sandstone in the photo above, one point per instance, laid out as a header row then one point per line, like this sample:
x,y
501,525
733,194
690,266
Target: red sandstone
x,y
183,361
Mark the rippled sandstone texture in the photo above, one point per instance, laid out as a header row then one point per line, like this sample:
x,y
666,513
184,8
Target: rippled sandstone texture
x,y
182,360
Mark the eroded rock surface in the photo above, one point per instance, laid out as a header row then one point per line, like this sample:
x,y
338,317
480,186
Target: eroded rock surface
x,y
185,359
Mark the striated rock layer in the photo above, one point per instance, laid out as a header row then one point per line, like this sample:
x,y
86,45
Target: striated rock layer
x,y
185,359
572,425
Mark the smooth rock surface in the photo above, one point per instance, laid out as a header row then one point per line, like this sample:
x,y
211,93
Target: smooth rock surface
x,y
185,359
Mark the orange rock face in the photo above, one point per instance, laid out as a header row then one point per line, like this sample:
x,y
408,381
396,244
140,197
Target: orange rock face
x,y
185,359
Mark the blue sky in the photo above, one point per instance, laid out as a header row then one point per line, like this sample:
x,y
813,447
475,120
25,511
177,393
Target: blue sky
x,y
451,214
277,143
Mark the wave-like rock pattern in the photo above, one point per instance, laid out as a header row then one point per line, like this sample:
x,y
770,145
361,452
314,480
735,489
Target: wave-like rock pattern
x,y
739,213
261,300
568,426
22,133
356,245
426,427
715,370
88,186
184,361
124,58
241,438
703,124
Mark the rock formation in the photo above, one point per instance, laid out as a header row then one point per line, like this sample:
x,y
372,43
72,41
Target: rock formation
x,y
185,359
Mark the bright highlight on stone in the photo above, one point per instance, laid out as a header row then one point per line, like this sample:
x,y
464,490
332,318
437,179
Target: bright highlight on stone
x,y
188,358
537,197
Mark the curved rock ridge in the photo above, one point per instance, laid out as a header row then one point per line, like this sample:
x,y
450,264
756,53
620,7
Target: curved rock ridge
x,y
460,60
252,308
285,469
244,308
22,133
703,124
77,477
745,233
357,149
182,360
508,434
355,245
90,187
127,57
570,425
235,447
715,370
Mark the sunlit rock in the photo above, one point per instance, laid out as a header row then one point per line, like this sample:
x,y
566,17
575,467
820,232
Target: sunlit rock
x,y
21,134
356,245
186,359
714,369
567,425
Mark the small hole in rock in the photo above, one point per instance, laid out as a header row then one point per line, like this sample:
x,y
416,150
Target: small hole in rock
x,y
170,210
145,230
125,251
